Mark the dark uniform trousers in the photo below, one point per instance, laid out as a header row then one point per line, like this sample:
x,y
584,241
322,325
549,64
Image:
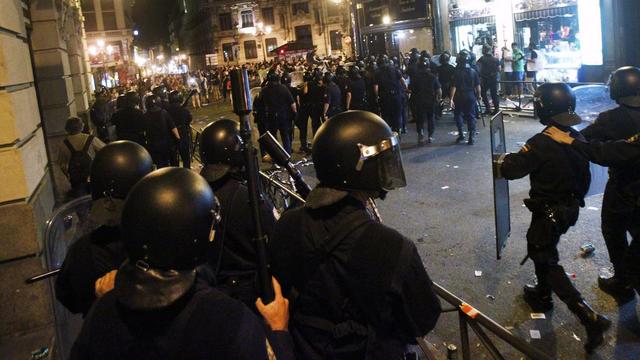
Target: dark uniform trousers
x,y
424,113
465,112
619,215
490,85
184,146
542,246
280,122
391,110
309,111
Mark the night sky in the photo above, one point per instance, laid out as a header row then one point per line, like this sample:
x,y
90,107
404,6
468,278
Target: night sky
x,y
152,20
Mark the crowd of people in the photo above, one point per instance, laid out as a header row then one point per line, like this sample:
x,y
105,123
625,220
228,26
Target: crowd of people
x,y
171,271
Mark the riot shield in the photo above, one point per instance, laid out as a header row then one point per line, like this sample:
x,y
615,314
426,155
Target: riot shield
x,y
67,224
500,185
591,100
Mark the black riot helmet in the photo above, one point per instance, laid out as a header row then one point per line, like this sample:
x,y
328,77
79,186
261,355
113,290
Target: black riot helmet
x,y
168,223
356,150
462,58
161,91
121,102
354,72
175,97
624,86
424,63
273,77
117,167
556,103
445,57
285,79
133,99
152,102
220,149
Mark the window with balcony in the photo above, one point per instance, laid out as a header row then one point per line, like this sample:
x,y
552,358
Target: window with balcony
x,y
301,8
303,34
250,50
247,18
267,16
225,22
227,50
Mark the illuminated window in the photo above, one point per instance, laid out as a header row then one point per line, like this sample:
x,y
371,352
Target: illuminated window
x,y
270,43
250,50
247,18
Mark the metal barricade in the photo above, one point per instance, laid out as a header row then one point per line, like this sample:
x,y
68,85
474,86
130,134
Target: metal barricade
x,y
470,317
67,224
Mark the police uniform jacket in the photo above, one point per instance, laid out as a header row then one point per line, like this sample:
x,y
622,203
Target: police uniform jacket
x,y
129,124
203,324
374,280
358,90
489,67
333,97
465,80
388,80
158,125
558,172
618,124
424,87
277,99
87,260
236,232
181,117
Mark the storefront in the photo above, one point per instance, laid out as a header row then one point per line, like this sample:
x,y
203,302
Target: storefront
x,y
472,25
566,33
393,26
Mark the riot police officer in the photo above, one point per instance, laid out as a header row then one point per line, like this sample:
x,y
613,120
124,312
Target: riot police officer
x,y
560,179
310,107
279,105
89,268
445,73
181,117
100,114
389,88
129,120
359,287
159,308
425,95
295,94
332,103
622,190
356,91
489,68
232,258
161,132
370,84
465,88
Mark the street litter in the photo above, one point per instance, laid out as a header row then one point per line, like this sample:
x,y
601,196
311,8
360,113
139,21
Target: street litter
x,y
576,337
587,250
572,276
538,316
456,166
535,334
478,273
491,297
593,208
444,187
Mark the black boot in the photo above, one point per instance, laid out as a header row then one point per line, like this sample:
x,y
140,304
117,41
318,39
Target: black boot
x,y
538,298
421,137
595,324
460,137
471,141
616,287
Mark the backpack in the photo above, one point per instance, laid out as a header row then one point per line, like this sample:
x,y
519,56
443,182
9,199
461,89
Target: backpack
x,y
79,167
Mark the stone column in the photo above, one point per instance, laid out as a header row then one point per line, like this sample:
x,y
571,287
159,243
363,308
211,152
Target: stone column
x,y
26,194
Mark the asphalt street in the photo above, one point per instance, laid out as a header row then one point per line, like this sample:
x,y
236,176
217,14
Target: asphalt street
x,y
447,210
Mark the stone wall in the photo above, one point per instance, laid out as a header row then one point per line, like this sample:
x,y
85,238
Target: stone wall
x,y
30,128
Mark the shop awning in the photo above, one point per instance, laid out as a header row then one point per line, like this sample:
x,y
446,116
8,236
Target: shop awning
x,y
546,13
474,21
293,46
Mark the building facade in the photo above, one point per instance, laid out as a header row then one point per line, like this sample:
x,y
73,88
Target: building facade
x,y
109,38
248,31
43,80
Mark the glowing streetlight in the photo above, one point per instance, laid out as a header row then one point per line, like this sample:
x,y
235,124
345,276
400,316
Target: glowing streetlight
x,y
100,43
386,20
109,49
93,51
268,30
160,57
136,33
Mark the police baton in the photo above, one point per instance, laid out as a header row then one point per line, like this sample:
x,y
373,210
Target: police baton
x,y
42,276
479,106
186,101
241,96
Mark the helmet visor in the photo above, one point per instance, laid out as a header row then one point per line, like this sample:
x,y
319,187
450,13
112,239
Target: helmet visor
x,y
390,169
